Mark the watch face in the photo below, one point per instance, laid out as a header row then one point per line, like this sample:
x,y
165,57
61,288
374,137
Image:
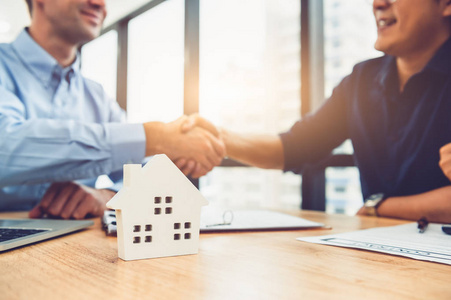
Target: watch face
x,y
370,203
376,197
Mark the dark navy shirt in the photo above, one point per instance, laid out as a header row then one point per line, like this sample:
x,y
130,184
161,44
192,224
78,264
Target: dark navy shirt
x,y
396,135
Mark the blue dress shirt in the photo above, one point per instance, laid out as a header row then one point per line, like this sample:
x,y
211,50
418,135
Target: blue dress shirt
x,y
396,135
56,125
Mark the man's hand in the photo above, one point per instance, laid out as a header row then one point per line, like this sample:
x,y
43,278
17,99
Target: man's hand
x,y
70,200
199,144
362,212
189,166
445,160
195,120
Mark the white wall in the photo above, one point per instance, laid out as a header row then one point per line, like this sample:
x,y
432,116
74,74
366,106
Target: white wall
x,y
14,15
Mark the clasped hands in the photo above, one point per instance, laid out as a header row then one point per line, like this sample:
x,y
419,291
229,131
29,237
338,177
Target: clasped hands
x,y
201,146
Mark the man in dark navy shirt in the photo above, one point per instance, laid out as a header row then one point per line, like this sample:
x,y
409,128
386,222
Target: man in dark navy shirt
x,y
395,109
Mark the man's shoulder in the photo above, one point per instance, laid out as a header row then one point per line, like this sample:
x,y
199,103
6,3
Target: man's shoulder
x,y
92,85
6,52
8,60
373,65
8,57
367,70
94,88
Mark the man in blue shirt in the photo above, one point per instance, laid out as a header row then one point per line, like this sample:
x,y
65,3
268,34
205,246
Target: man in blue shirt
x,y
396,111
59,127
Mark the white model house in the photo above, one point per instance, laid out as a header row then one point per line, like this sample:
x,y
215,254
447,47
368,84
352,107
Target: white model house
x,y
157,211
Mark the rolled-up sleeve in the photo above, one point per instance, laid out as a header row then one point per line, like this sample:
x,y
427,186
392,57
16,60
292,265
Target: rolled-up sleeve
x,y
315,136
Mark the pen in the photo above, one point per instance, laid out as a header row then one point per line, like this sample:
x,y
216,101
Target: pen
x,y
446,228
422,224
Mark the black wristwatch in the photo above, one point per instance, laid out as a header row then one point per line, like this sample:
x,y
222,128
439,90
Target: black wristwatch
x,y
373,202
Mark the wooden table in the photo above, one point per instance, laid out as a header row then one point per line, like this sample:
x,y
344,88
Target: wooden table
x,y
253,265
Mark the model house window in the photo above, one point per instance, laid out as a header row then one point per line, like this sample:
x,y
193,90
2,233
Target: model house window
x,y
186,235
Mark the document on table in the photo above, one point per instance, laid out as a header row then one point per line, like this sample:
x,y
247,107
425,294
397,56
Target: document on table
x,y
403,240
244,220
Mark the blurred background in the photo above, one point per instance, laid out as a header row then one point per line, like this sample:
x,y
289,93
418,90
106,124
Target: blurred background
x,y
249,65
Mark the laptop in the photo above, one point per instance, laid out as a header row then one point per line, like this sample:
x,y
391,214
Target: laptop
x,y
19,232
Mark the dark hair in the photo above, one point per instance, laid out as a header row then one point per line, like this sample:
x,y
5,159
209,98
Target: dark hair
x,y
30,5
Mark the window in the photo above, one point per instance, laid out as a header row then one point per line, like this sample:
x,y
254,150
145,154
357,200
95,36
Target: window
x,y
349,36
249,68
99,61
156,63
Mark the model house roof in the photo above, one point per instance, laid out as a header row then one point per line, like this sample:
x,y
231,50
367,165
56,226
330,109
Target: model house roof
x,y
158,177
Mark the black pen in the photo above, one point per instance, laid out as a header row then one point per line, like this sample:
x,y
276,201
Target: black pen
x,y
446,228
422,224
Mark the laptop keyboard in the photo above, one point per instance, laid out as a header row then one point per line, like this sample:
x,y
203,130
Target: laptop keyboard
x,y
7,234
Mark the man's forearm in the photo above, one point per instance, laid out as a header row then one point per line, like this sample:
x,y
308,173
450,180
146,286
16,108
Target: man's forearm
x,y
435,205
259,151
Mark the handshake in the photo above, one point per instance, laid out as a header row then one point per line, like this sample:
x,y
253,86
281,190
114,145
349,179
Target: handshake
x,y
191,142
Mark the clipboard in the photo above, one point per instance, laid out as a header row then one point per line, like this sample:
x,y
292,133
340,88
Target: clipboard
x,y
253,220
233,221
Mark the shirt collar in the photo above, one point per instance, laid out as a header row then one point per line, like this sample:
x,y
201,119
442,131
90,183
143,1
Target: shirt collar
x,y
39,62
441,61
388,74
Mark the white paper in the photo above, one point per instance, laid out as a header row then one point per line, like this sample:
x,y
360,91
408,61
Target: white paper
x,y
251,220
403,240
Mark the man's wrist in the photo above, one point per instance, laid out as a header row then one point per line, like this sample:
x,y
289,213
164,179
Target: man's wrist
x,y
373,202
154,132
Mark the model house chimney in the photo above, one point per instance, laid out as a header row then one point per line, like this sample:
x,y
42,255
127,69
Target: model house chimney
x,y
132,173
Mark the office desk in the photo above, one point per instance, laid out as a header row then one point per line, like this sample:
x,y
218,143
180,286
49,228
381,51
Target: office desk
x,y
254,265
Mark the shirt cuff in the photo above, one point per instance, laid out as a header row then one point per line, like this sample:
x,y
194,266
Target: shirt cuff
x,y
116,187
127,142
